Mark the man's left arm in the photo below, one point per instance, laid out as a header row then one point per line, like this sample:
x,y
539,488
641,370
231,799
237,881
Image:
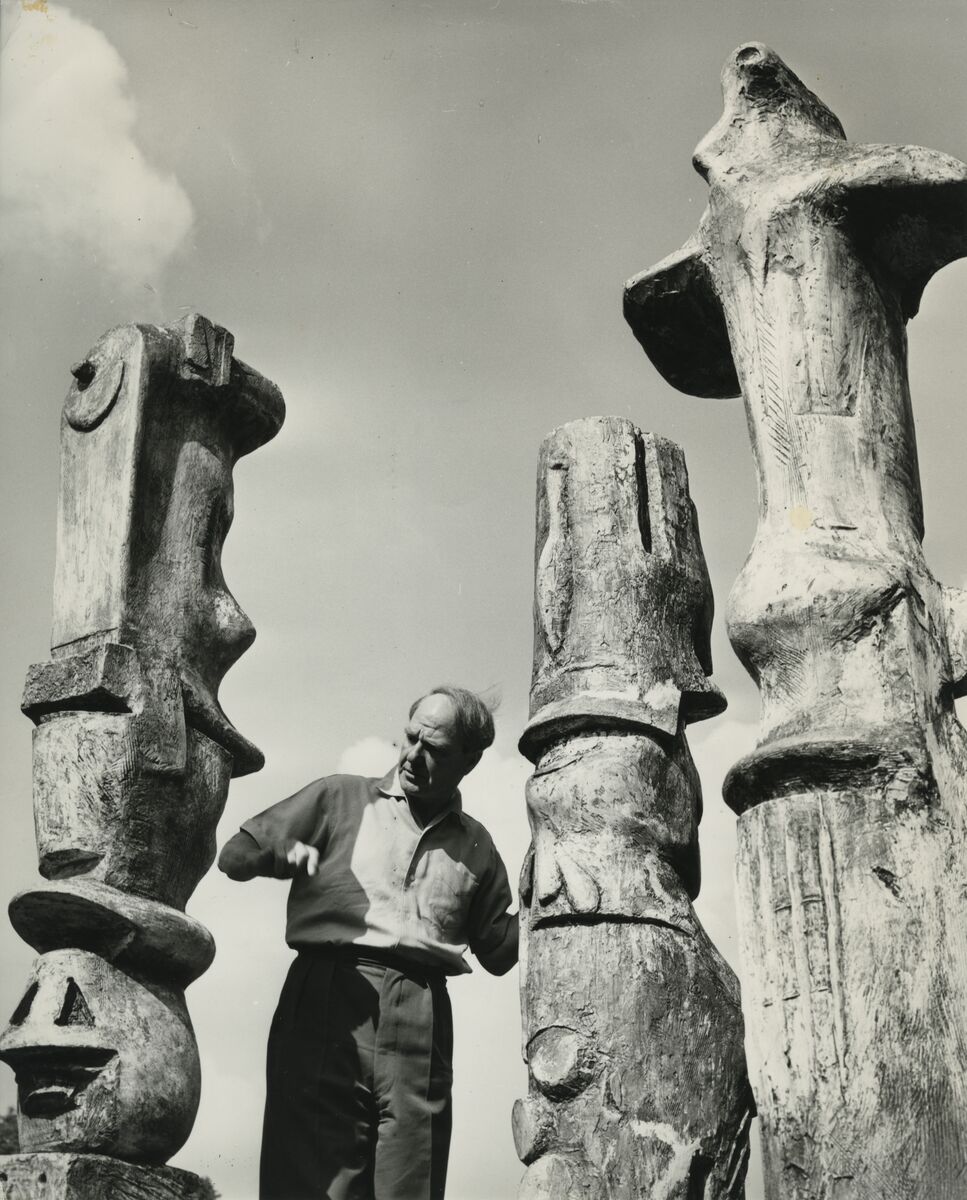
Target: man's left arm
x,y
493,931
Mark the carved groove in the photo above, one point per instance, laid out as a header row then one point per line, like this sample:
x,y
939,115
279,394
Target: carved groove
x,y
613,804
852,829
132,757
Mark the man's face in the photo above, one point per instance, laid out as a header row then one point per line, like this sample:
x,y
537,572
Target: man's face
x,y
432,758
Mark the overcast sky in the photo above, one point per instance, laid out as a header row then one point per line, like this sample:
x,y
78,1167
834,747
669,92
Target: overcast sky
x,y
417,219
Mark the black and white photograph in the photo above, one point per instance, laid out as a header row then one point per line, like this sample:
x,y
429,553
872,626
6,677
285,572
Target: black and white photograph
x,y
485,605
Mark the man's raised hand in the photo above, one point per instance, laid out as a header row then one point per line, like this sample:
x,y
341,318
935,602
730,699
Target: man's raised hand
x,y
302,858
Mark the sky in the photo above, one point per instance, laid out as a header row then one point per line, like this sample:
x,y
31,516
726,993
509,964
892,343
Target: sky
x,y
417,219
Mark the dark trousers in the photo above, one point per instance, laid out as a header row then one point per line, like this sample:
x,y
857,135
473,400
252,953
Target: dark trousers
x,y
359,1080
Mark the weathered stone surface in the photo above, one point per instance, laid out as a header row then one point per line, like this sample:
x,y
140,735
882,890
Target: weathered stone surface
x,y
135,934
153,424
617,532
93,1177
106,678
102,812
810,258
638,827
632,1024
103,1062
132,756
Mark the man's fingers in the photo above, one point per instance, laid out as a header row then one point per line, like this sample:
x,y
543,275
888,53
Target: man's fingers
x,y
301,855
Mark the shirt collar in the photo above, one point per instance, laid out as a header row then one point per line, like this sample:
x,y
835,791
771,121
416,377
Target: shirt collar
x,y
389,785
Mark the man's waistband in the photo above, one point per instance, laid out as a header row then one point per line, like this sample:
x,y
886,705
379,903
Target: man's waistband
x,y
375,956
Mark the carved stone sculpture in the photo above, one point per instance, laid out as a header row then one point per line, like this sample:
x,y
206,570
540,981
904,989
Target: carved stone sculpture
x,y
631,1020
132,758
808,262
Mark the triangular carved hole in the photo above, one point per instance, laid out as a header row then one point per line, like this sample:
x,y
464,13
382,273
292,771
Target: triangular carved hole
x,y
22,1011
74,1010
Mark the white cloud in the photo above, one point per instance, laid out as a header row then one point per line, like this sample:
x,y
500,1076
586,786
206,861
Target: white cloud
x,y
73,177
369,756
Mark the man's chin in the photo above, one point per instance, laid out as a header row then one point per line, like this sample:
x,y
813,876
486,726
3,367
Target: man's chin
x,y
418,794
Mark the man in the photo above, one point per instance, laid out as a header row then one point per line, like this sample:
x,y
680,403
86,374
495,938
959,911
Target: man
x,y
391,883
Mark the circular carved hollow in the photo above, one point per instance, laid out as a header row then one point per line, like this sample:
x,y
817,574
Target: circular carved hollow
x,y
561,1061
93,393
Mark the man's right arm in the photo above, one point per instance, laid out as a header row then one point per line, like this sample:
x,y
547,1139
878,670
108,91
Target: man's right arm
x,y
243,858
280,842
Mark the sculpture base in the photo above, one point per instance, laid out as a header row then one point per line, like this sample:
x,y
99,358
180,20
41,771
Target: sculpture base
x,y
93,1177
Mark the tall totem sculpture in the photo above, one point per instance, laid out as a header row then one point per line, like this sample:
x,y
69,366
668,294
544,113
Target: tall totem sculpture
x,y
808,262
631,1019
132,758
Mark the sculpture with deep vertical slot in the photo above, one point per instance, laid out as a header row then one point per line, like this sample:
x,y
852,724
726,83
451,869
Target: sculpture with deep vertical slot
x,y
631,1021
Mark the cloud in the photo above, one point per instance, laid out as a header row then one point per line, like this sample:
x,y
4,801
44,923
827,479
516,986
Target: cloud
x,y
368,756
73,177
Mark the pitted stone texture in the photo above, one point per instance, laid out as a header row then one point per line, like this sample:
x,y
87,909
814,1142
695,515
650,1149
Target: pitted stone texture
x,y
631,1021
132,754
146,501
105,1063
796,288
93,1177
102,813
622,602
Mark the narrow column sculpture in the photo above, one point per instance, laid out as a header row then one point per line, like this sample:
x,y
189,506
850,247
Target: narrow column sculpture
x,y
631,1019
808,262
132,758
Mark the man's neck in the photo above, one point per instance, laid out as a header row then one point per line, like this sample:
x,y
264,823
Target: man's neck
x,y
425,812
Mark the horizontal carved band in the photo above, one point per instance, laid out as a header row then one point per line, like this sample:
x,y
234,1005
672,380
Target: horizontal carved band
x,y
794,765
131,932
106,678
92,1177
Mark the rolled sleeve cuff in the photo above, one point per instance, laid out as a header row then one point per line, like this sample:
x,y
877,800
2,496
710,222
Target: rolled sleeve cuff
x,y
497,952
272,854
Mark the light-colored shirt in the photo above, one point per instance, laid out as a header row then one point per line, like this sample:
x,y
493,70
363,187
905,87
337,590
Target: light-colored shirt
x,y
384,882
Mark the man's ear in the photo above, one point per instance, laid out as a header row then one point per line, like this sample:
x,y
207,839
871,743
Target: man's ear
x,y
473,759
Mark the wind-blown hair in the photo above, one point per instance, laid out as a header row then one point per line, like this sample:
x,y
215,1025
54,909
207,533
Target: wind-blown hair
x,y
474,719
